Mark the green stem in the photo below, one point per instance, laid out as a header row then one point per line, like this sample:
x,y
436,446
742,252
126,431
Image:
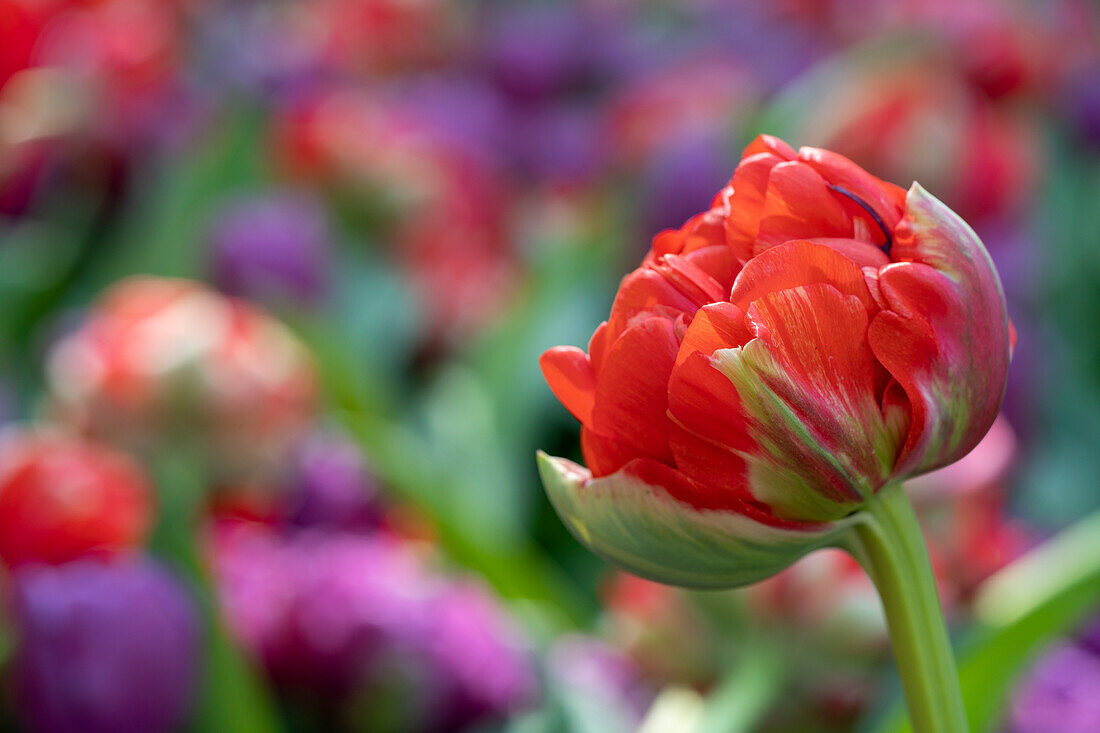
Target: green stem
x,y
889,544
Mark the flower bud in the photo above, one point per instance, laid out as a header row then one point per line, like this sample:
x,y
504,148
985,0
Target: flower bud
x,y
815,335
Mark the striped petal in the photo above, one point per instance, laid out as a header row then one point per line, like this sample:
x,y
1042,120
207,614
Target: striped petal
x,y
807,389
634,520
945,336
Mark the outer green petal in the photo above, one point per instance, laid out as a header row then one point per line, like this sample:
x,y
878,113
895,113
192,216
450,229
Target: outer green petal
x,y
641,528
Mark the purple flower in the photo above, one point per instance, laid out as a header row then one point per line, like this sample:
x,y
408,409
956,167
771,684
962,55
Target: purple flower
x,y
1089,637
271,246
560,144
104,648
257,47
333,488
538,50
1061,694
320,609
481,665
464,113
352,618
683,171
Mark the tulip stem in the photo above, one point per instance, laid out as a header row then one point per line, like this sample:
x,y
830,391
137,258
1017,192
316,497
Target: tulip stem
x,y
888,543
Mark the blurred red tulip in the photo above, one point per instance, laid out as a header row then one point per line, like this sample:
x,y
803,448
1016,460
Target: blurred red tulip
x,y
62,498
20,26
161,358
441,211
700,94
772,365
907,111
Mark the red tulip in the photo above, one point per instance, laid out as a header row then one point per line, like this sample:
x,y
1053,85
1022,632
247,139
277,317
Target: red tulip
x,y
772,364
62,498
162,360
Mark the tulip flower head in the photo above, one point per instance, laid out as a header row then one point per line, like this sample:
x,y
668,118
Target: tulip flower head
x,y
104,648
160,358
775,362
62,498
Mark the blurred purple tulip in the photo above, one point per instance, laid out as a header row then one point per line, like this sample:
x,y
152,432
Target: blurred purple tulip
x,y
481,666
333,488
353,617
463,112
317,609
104,648
259,47
560,144
271,246
534,51
683,171
1089,637
1061,694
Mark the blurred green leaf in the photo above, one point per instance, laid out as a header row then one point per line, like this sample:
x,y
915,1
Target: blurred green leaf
x,y
232,697
164,227
409,465
39,261
7,641
1045,594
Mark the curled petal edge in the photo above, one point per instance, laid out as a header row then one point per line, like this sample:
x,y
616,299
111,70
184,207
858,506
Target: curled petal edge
x,y
641,528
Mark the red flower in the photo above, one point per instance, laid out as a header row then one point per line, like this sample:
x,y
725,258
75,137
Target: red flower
x,y
772,364
63,498
162,359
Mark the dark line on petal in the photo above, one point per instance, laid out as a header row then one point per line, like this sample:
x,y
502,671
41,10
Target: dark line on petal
x,y
870,212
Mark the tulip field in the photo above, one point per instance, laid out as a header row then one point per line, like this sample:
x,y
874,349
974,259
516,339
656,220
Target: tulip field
x,y
549,366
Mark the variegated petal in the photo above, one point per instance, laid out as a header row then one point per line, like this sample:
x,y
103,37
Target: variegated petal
x,y
633,520
944,335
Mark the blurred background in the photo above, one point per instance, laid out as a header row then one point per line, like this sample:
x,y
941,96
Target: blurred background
x,y
274,279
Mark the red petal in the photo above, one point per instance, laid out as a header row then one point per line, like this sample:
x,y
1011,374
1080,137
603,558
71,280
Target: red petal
x,y
597,347
750,185
716,326
704,401
641,293
798,263
719,263
858,251
604,455
887,200
799,204
569,373
769,144
705,431
632,394
690,280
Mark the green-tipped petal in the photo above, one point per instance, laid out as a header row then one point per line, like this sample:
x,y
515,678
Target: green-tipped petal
x,y
642,528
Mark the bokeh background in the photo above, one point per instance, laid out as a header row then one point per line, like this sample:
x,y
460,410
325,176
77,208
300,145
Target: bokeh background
x,y
274,279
